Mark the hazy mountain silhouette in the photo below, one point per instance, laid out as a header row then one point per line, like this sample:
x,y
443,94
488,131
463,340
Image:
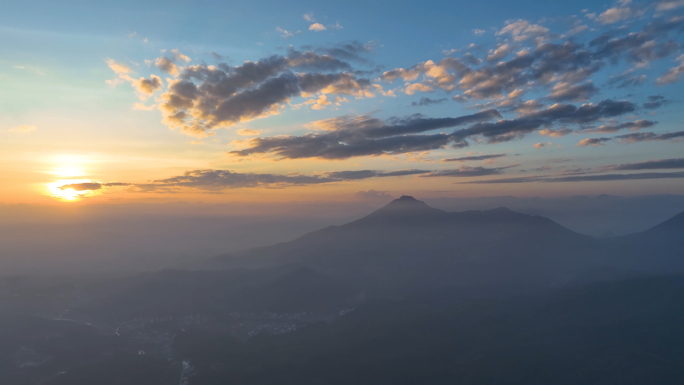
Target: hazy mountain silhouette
x,y
408,244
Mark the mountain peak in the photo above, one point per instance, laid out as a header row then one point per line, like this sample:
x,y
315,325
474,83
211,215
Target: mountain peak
x,y
406,202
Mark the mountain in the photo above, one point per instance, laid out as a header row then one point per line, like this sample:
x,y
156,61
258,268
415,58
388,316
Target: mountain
x,y
408,245
657,250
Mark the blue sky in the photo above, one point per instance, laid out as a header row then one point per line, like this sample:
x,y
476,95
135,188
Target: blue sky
x,y
72,72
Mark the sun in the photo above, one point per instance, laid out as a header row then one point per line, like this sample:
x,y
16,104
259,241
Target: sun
x,y
69,166
73,189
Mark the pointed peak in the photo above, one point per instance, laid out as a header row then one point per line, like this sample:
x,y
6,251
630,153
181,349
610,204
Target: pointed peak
x,y
406,202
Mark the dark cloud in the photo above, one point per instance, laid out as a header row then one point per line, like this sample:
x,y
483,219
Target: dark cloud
x,y
655,102
593,142
562,67
611,177
649,136
474,158
466,171
349,137
505,130
584,178
216,180
207,97
365,174
427,101
352,51
650,165
635,125
89,186
626,80
563,92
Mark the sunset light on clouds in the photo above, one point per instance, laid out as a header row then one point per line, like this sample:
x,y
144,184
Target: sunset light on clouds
x,y
316,101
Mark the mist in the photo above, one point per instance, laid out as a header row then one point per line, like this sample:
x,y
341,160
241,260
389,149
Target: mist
x,y
127,238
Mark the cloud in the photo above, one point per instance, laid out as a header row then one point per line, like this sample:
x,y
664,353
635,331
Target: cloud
x,y
650,165
499,53
635,125
584,178
217,180
428,102
505,130
247,132
285,34
522,30
673,74
465,171
613,15
669,5
474,158
22,129
593,142
352,136
317,27
555,133
655,102
336,26
541,145
365,174
572,92
166,65
81,186
479,32
118,68
562,65
412,88
649,136
148,86
206,97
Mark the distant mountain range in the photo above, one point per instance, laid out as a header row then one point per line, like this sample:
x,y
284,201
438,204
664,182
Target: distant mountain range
x,y
401,250
408,245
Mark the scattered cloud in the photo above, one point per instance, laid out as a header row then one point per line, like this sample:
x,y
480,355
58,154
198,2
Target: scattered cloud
x,y
593,142
649,165
613,15
474,158
217,180
428,102
317,27
584,178
285,34
465,171
672,75
247,132
522,30
351,136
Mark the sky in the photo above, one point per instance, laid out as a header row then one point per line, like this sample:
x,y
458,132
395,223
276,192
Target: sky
x,y
266,101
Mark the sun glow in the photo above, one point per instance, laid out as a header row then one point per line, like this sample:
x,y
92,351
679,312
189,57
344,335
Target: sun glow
x,y
67,166
73,189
